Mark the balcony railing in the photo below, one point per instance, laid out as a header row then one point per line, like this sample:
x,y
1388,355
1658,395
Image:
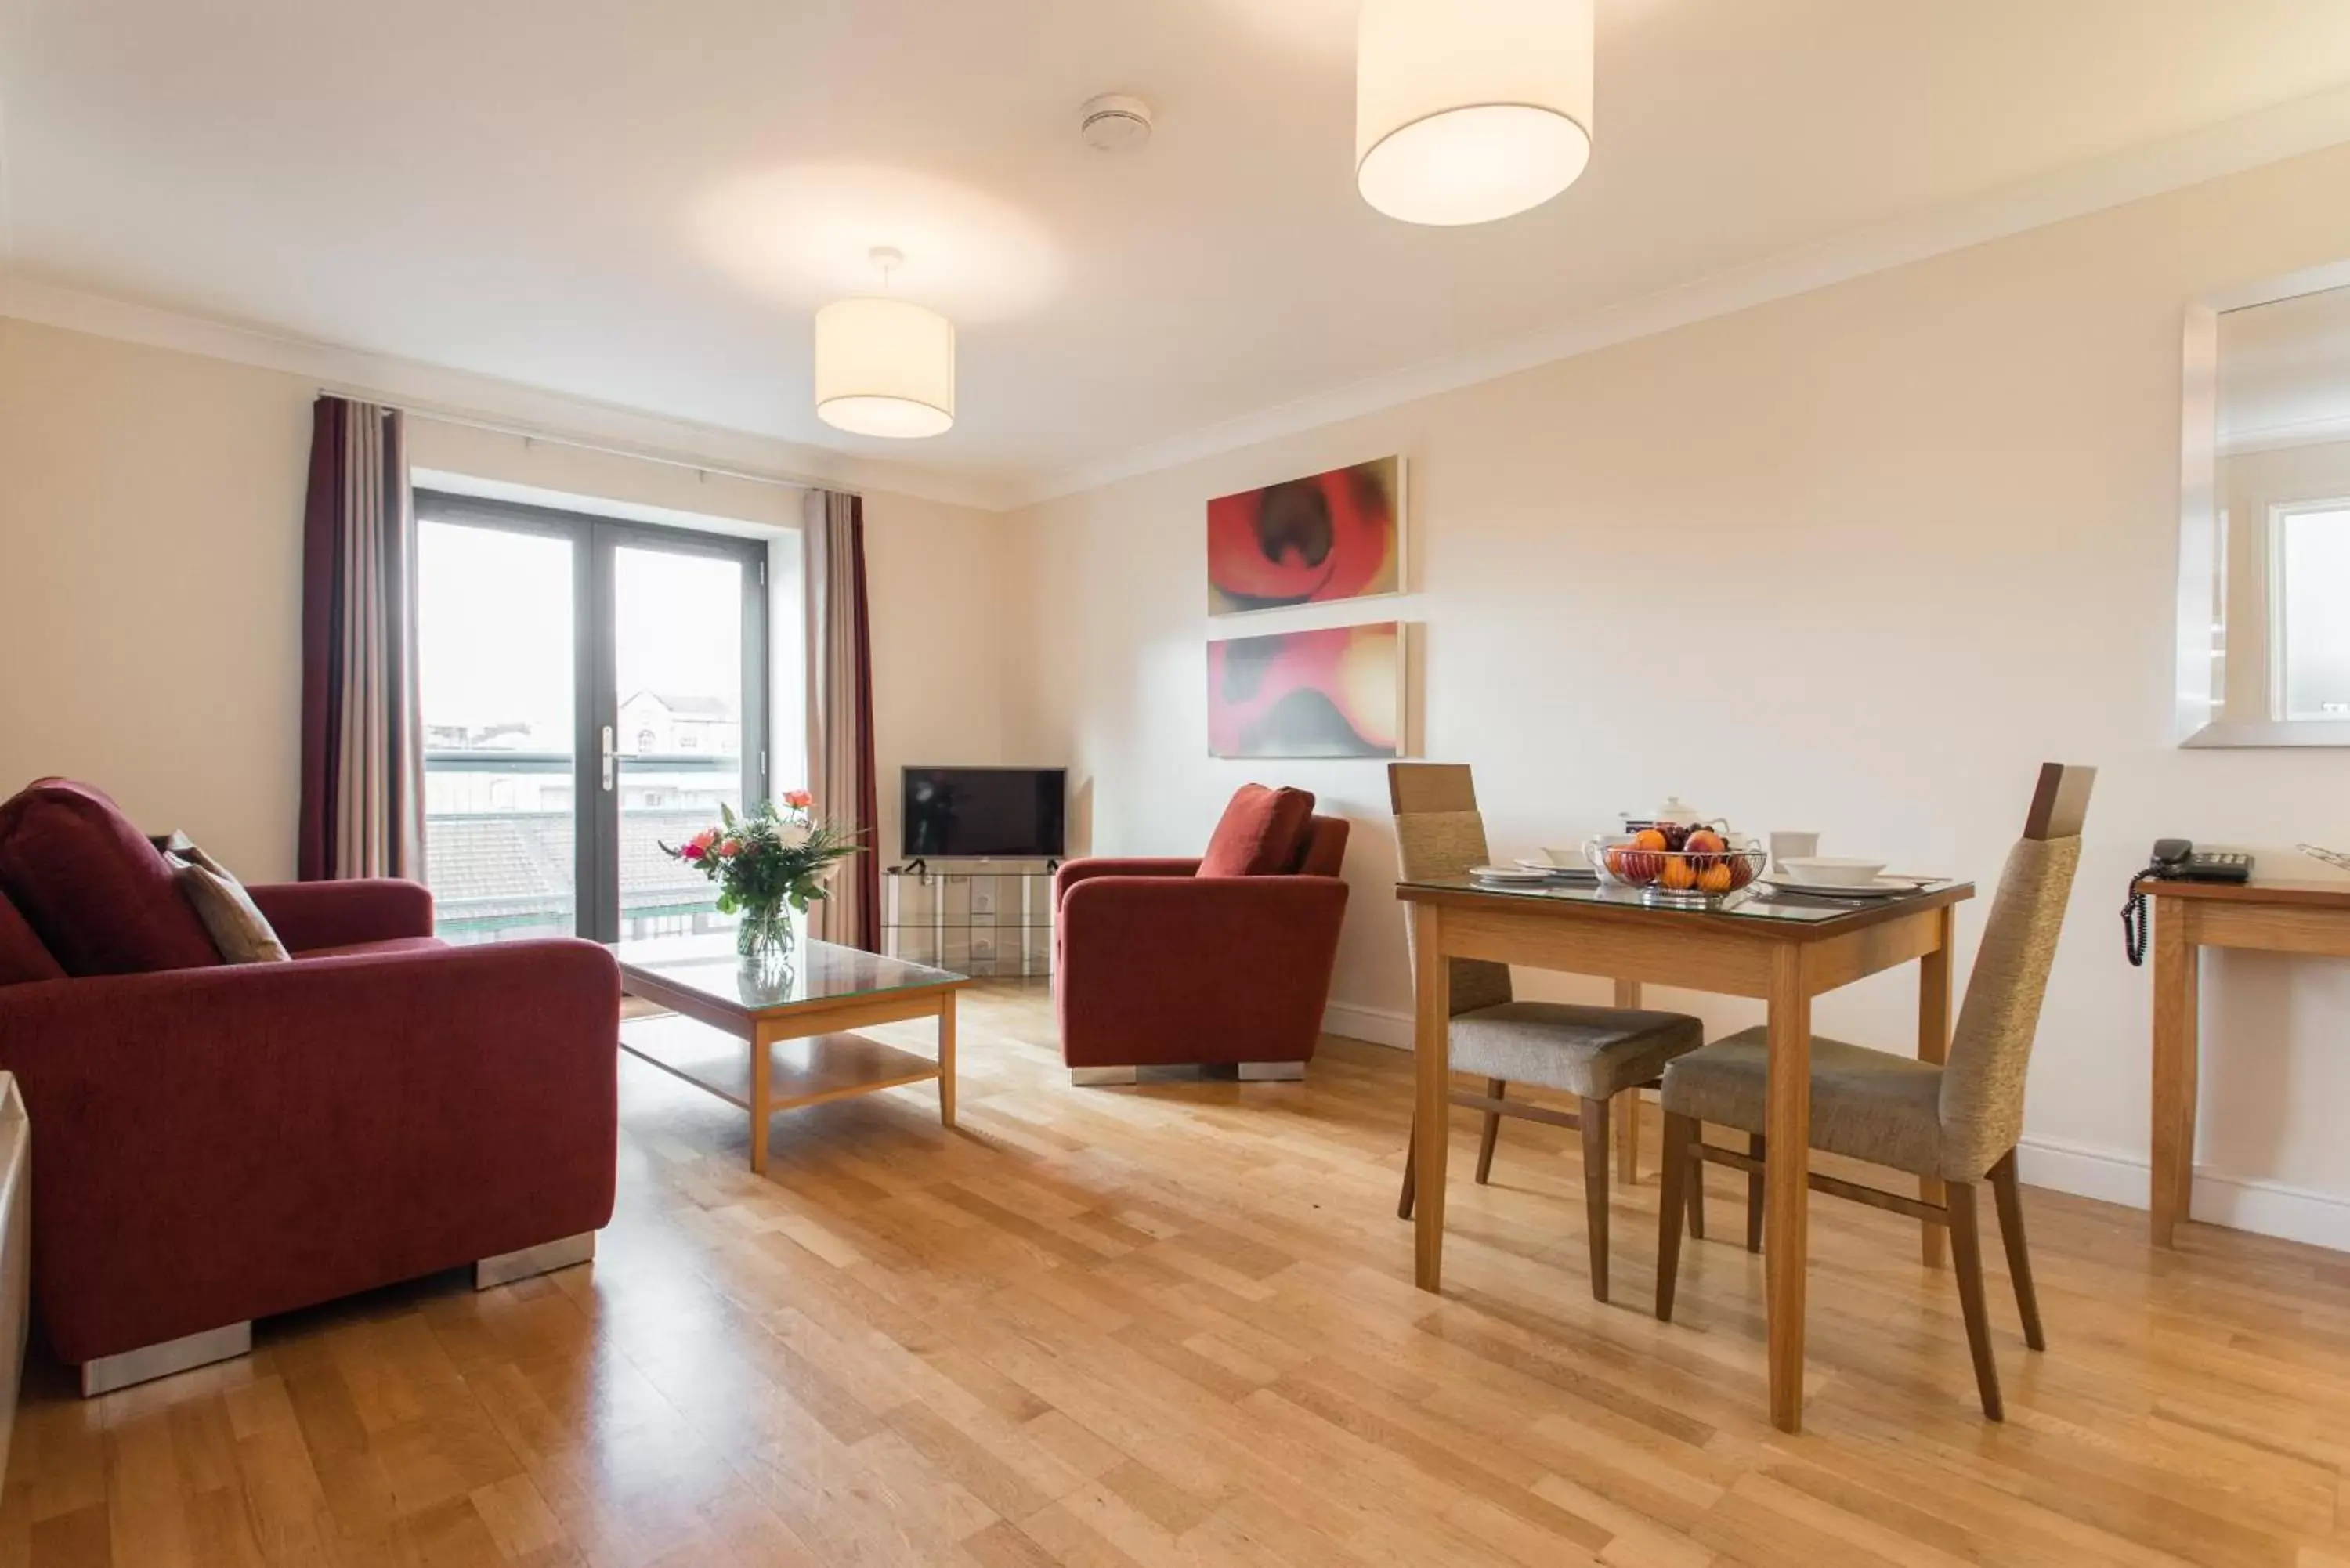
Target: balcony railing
x,y
501,838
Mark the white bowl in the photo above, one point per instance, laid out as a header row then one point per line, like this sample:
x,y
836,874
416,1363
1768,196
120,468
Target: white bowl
x,y
1565,859
1834,870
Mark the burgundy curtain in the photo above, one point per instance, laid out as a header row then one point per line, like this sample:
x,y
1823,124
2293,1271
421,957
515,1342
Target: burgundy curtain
x,y
363,753
841,730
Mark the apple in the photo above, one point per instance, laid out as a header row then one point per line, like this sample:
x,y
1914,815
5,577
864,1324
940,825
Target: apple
x,y
1703,846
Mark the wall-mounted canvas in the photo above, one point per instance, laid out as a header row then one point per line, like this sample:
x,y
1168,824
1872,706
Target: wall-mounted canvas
x,y
1338,692
1334,535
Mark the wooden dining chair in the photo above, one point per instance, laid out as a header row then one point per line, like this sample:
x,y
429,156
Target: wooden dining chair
x,y
1958,1123
1591,1052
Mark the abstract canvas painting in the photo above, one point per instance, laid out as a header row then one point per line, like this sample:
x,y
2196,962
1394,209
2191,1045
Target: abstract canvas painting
x,y
1336,535
1333,693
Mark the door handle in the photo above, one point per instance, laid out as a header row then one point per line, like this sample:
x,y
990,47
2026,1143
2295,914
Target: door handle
x,y
609,755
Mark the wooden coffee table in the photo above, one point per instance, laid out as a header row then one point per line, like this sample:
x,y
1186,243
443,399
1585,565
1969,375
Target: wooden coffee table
x,y
791,1043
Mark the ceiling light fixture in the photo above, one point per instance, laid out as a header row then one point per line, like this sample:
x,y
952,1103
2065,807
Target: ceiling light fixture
x,y
885,367
1469,110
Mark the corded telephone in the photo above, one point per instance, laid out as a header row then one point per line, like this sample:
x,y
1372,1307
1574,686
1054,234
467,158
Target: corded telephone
x,y
2175,860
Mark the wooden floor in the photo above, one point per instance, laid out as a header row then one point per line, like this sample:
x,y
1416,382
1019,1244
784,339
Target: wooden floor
x,y
1175,1325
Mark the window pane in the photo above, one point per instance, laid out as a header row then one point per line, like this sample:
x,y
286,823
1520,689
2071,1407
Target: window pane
x,y
2314,606
678,657
494,665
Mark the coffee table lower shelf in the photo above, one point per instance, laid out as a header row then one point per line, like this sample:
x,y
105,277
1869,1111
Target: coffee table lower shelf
x,y
809,1070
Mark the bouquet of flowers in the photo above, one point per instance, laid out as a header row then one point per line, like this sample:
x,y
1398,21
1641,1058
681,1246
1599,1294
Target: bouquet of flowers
x,y
769,856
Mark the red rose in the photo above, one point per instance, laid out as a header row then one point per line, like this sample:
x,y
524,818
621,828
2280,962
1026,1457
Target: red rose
x,y
692,850
799,799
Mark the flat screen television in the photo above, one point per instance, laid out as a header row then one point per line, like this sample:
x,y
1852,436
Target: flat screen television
x,y
993,814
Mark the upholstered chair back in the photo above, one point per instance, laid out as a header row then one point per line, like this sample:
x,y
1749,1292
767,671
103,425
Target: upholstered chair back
x,y
1991,1049
1438,833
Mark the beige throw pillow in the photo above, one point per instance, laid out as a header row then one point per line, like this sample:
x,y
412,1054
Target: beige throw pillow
x,y
234,922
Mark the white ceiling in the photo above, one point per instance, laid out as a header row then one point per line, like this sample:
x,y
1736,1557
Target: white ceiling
x,y
641,204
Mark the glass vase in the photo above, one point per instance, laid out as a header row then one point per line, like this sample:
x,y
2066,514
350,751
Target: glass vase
x,y
766,936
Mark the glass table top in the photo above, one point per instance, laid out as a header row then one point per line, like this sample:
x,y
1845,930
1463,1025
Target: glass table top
x,y
1758,902
708,966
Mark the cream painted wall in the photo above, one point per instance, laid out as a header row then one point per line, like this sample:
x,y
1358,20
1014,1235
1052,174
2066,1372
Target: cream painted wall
x,y
150,518
940,628
1856,561
151,583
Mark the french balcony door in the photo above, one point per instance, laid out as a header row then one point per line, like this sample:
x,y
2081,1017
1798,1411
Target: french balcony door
x,y
591,690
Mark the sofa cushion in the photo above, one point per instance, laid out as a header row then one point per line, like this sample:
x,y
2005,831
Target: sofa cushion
x,y
1261,835
22,956
1323,849
100,895
239,930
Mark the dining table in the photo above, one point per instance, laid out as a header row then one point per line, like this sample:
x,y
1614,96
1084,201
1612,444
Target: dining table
x,y
1780,947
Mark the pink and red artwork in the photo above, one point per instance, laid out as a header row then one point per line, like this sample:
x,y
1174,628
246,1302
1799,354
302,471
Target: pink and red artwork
x,y
1332,693
1336,535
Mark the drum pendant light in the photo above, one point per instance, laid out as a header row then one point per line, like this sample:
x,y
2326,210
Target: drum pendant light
x,y
1469,110
885,367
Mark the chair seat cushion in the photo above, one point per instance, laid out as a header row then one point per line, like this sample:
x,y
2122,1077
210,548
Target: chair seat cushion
x,y
1868,1105
1261,833
1592,1051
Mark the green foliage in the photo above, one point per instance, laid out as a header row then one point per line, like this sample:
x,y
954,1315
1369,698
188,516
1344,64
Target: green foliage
x,y
770,855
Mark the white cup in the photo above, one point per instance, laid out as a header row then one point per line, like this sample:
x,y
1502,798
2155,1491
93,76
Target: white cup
x,y
1786,847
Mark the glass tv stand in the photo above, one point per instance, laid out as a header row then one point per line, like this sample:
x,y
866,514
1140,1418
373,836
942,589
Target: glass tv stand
x,y
974,917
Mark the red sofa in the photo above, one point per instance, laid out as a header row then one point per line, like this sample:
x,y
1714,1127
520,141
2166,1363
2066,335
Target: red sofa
x,y
213,1144
1223,960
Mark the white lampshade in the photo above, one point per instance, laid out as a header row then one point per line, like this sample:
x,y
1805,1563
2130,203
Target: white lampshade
x,y
1469,110
884,367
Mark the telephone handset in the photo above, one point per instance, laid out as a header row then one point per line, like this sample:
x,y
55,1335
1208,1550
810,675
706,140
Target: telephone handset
x,y
2175,860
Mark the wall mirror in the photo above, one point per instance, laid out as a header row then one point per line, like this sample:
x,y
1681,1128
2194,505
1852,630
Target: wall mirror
x,y
2264,542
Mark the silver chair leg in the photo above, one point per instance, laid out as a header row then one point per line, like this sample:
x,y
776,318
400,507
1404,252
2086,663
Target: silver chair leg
x,y
1103,1077
150,1362
543,1259
1273,1072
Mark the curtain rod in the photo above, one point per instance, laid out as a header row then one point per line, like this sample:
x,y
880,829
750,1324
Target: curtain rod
x,y
580,443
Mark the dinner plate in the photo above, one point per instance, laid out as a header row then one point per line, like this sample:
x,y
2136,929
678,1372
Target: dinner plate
x,y
1550,867
1883,888
1509,874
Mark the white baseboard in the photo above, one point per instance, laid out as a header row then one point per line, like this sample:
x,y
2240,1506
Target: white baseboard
x,y
2239,1202
1380,1026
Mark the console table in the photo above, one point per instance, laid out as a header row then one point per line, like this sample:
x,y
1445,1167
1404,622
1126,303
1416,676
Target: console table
x,y
2266,917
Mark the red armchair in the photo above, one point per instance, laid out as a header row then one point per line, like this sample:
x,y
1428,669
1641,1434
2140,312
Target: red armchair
x,y
1220,961
214,1145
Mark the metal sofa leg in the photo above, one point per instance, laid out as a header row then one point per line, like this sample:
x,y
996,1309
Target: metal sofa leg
x,y
1273,1072
543,1259
148,1361
1103,1077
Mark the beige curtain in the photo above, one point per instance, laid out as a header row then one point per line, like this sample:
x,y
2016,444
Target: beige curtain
x,y
362,742
840,714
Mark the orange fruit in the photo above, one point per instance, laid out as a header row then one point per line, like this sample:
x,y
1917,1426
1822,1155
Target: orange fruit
x,y
1649,838
1716,878
1678,875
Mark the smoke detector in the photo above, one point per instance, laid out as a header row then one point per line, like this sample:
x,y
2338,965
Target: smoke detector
x,y
1115,123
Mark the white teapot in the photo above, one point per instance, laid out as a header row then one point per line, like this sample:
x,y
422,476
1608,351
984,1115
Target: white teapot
x,y
1675,819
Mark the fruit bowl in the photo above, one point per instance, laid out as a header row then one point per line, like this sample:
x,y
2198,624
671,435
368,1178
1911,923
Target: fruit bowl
x,y
1706,867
